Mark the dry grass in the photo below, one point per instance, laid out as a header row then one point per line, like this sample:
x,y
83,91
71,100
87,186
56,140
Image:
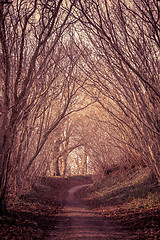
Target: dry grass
x,y
124,187
131,197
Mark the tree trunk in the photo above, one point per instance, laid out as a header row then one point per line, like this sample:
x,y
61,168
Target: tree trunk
x,y
64,164
56,171
4,168
84,165
3,208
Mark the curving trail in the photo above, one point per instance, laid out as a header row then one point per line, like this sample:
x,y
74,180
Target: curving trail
x,y
77,221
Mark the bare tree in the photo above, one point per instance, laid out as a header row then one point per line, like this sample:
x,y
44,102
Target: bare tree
x,y
33,73
123,63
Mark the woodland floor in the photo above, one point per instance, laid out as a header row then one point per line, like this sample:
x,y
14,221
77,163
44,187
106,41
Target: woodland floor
x,y
133,204
35,213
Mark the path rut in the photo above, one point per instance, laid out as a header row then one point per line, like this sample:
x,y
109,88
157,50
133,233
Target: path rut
x,y
76,221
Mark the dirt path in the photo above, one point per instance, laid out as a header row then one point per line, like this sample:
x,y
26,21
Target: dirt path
x,y
77,221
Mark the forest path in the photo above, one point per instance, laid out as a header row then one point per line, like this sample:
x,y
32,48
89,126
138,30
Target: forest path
x,y
76,221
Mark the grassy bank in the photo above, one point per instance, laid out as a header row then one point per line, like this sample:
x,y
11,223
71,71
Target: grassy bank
x,y
130,196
